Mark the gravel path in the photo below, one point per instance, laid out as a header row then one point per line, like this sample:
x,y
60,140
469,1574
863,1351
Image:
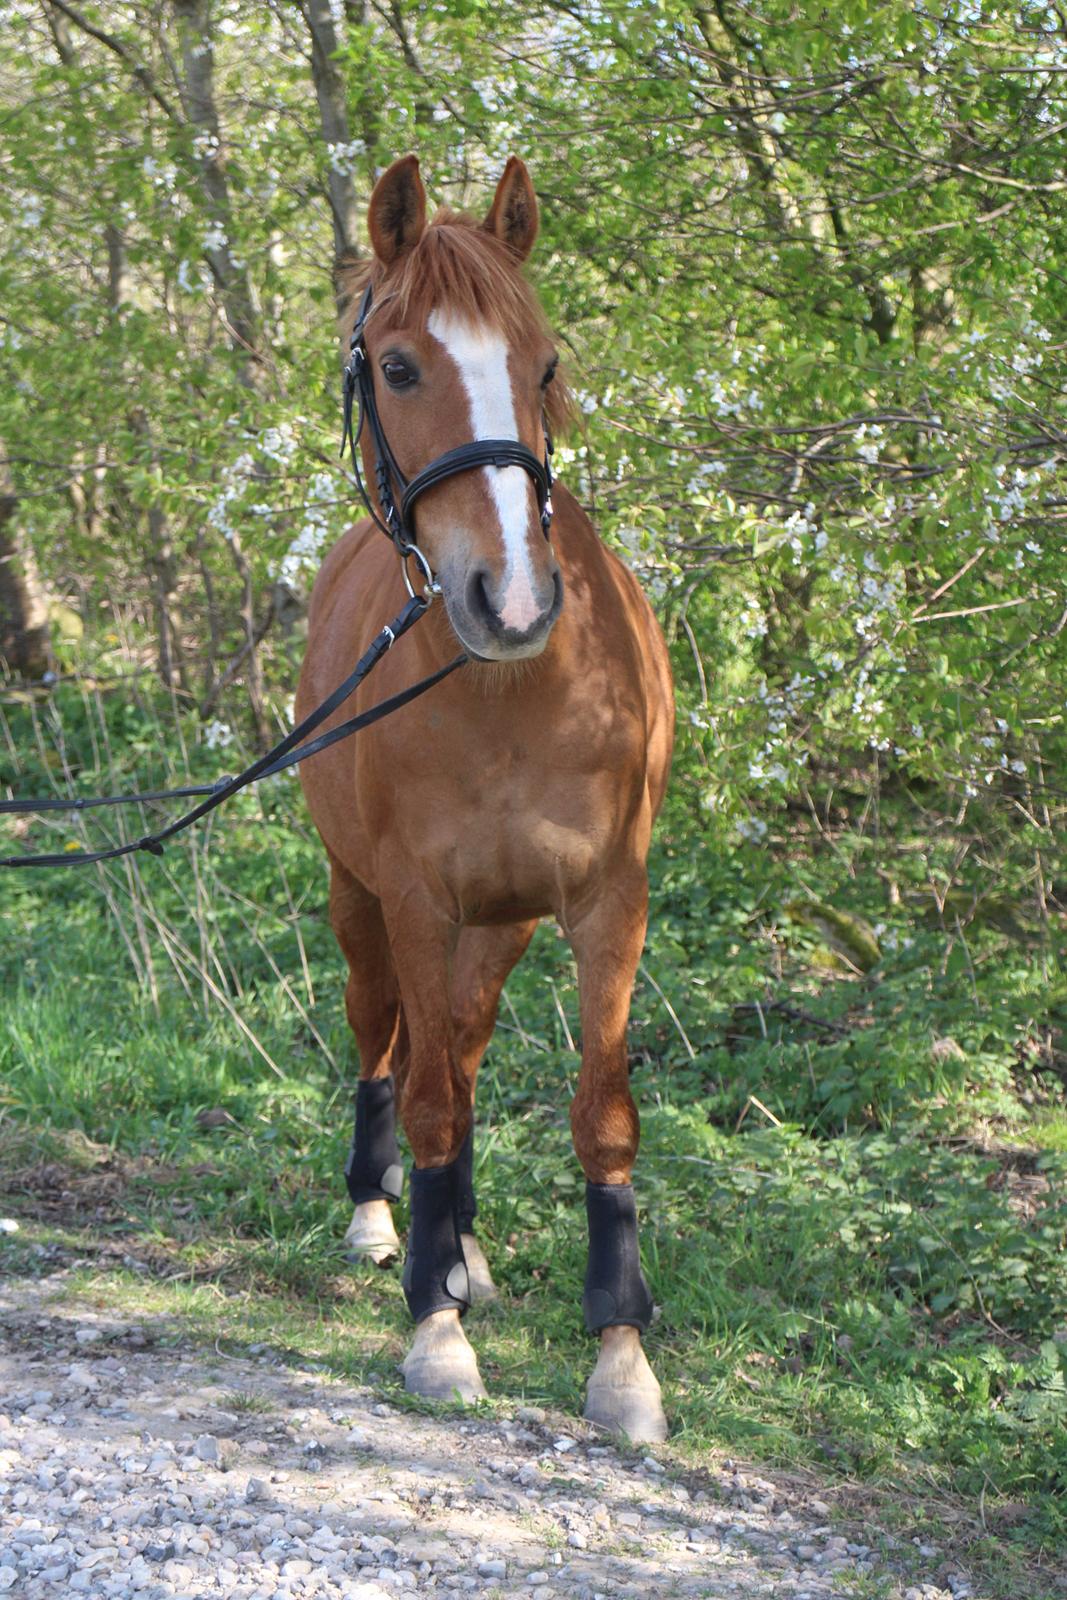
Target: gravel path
x,y
129,1468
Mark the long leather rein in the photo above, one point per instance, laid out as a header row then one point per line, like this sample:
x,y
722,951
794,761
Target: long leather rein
x,y
288,752
399,526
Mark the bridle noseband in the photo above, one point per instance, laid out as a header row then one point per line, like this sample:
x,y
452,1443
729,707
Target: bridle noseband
x,y
398,524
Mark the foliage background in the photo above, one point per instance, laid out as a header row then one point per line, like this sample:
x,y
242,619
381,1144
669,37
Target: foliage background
x,y
807,265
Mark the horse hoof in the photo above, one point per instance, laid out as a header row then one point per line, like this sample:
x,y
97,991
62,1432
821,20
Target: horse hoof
x,y
371,1235
638,1415
623,1394
480,1278
441,1364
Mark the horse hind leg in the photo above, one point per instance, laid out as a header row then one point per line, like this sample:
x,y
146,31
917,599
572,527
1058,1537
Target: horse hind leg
x,y
484,959
372,1003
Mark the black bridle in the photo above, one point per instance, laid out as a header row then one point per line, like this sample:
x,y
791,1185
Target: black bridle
x,y
398,524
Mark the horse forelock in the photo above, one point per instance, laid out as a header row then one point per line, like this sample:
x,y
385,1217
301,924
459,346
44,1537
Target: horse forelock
x,y
460,271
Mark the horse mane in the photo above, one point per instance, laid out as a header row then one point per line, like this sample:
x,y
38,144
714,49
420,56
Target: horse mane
x,y
458,267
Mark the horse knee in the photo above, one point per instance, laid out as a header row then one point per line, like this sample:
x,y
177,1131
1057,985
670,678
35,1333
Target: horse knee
x,y
436,1126
606,1132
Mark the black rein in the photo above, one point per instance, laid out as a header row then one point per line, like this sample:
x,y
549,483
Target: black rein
x,y
288,752
399,527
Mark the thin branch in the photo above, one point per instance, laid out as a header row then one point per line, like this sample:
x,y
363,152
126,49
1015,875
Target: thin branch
x,y
144,75
972,611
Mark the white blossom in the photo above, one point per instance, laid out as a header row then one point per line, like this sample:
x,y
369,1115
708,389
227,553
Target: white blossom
x,y
753,621
343,157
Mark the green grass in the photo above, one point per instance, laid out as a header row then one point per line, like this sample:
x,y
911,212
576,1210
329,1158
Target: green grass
x,y
856,1234
1049,1132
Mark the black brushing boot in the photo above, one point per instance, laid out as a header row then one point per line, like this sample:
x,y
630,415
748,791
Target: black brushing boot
x,y
373,1172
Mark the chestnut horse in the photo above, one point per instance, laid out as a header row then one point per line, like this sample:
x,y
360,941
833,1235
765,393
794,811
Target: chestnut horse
x,y
525,786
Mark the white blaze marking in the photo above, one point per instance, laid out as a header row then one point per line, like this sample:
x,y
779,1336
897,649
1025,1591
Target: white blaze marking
x,y
482,358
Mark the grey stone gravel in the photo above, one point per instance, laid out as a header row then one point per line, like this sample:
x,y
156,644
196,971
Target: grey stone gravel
x,y
132,1470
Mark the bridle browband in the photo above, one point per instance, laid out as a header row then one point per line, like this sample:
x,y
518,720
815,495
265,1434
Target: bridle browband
x,y
398,524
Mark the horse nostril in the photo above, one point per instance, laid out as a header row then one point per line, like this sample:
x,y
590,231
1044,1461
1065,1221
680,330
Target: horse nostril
x,y
478,603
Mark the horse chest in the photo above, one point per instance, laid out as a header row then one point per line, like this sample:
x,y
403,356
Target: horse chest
x,y
501,871
512,839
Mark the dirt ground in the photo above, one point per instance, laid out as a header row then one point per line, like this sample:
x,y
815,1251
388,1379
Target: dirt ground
x,y
131,1465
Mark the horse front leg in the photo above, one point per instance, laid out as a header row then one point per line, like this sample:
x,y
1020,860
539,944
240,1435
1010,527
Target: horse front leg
x,y
373,1171
435,1110
484,958
623,1394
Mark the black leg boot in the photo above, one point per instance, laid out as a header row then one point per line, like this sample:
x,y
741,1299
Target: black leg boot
x,y
373,1173
373,1170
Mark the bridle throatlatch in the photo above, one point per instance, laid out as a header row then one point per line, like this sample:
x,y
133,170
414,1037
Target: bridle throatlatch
x,y
398,524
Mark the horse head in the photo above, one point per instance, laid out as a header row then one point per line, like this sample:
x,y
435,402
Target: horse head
x,y
458,351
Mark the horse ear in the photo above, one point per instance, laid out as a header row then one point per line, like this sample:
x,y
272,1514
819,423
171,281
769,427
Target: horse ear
x,y
513,214
397,214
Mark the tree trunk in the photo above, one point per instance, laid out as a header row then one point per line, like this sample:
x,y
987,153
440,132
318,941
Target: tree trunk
x,y
254,670
368,106
333,119
234,282
25,634
160,550
198,94
59,27
159,561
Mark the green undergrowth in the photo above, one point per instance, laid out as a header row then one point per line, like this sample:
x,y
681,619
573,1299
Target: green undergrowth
x,y
851,1175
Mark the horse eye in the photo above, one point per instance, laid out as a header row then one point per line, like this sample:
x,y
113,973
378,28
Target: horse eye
x,y
550,372
397,373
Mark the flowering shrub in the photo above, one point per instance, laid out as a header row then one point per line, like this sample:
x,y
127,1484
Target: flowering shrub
x,y
800,267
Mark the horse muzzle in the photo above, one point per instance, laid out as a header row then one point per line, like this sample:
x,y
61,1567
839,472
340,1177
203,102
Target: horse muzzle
x,y
493,623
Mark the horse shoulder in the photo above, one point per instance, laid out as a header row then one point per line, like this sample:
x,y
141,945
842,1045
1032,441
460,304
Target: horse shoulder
x,y
657,680
619,586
